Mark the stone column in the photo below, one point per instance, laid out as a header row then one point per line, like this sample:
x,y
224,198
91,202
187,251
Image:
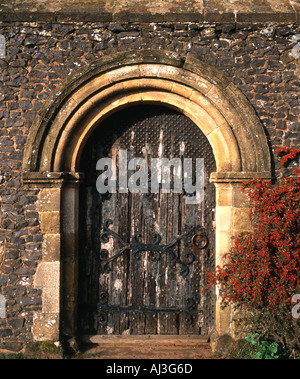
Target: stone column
x,y
232,218
57,206
70,218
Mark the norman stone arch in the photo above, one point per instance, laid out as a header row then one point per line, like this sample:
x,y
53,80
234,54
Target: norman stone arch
x,y
72,113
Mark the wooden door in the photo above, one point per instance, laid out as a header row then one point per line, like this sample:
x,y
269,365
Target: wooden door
x,y
139,272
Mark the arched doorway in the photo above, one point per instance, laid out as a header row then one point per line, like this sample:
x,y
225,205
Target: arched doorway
x,y
147,277
64,125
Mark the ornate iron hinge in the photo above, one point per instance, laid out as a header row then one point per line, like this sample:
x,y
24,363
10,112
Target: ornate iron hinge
x,y
155,248
103,308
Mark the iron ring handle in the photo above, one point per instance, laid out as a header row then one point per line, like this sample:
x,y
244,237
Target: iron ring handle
x,y
199,240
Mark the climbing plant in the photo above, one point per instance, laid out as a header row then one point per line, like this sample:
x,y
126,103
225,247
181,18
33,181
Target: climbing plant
x,y
261,273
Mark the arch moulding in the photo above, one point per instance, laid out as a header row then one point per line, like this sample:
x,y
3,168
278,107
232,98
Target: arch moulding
x,y
58,135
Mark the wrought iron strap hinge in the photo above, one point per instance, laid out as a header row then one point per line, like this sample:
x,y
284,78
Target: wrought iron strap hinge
x,y
155,248
103,310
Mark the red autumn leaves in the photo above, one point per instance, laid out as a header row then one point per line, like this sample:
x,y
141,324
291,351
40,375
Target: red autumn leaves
x,y
262,270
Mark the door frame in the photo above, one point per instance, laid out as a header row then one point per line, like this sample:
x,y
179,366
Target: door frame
x,y
65,122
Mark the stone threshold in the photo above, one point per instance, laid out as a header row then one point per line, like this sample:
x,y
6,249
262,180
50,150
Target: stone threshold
x,y
145,339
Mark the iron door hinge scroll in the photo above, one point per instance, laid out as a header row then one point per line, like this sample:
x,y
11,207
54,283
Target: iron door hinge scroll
x,y
155,248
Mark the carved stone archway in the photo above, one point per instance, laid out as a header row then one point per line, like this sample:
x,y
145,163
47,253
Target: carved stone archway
x,y
59,133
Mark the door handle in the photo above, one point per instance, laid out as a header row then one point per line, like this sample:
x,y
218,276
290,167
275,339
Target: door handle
x,y
199,240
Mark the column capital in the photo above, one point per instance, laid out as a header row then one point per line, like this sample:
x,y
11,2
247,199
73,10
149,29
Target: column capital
x,y
51,179
238,177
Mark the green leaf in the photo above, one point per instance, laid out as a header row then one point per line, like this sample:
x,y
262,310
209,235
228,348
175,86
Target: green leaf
x,y
273,348
265,344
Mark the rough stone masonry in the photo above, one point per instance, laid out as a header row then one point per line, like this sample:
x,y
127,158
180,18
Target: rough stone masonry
x,y
254,43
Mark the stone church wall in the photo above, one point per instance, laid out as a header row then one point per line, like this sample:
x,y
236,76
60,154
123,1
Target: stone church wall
x,y
260,59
